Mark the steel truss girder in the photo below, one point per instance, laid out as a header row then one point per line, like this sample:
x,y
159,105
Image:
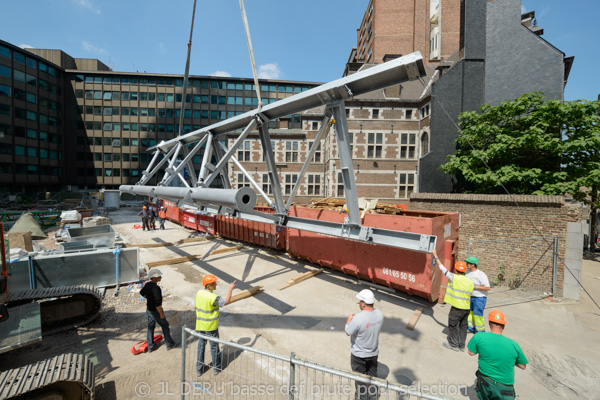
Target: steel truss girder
x,y
402,69
241,202
386,237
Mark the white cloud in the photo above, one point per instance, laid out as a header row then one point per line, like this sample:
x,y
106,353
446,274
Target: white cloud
x,y
269,71
224,74
26,46
523,9
88,4
91,48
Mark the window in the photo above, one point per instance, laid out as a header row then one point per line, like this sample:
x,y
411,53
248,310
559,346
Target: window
x,y
315,126
314,185
317,156
375,145
290,181
266,184
4,51
424,143
19,57
375,113
407,145
244,151
407,185
291,151
243,181
30,62
408,114
340,185
425,111
4,71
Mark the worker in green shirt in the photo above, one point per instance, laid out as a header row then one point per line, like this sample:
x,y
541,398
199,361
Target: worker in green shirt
x,y
498,356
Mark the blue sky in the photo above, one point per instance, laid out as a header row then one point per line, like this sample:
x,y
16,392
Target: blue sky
x,y
308,40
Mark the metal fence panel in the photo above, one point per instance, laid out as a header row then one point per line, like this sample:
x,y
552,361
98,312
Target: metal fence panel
x,y
518,269
248,373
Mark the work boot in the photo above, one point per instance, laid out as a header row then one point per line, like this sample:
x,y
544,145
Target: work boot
x,y
449,346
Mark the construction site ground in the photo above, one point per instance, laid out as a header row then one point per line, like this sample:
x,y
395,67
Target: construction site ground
x,y
560,338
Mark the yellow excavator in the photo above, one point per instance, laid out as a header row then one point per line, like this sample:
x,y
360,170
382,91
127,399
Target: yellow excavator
x,y
27,315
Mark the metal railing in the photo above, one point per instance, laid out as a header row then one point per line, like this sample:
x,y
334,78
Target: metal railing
x,y
248,373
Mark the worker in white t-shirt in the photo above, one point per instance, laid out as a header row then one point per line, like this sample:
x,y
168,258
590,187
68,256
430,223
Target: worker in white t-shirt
x,y
479,295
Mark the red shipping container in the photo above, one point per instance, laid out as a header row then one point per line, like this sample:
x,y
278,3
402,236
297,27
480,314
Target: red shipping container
x,y
188,219
206,223
260,233
405,270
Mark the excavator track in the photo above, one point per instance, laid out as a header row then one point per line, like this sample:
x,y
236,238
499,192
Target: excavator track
x,y
61,308
67,376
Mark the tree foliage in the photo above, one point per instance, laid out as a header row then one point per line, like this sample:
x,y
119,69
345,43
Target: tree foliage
x,y
533,146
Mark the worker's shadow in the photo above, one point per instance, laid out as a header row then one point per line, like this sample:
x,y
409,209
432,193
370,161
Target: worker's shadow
x,y
231,353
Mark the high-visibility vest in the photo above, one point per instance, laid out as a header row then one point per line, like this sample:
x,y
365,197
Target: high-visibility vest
x,y
207,315
458,293
162,214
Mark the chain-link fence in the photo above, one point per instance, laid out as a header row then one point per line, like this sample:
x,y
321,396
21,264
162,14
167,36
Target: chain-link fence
x,y
248,373
518,269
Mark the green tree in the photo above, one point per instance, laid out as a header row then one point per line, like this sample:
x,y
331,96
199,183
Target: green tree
x,y
532,146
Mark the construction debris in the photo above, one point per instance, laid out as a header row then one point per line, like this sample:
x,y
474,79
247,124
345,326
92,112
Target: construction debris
x,y
365,205
95,221
21,240
414,319
27,223
225,250
303,277
246,293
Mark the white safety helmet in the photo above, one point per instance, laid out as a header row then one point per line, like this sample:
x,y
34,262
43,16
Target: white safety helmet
x,y
367,296
154,273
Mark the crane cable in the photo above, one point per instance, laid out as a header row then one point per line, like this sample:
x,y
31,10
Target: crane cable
x,y
187,71
247,30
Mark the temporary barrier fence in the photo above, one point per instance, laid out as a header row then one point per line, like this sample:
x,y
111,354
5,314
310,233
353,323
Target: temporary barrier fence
x,y
248,373
519,269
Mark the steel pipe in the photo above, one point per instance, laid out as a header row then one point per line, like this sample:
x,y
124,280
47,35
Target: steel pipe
x,y
243,199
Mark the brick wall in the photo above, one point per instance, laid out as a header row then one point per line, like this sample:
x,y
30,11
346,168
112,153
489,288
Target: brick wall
x,y
496,218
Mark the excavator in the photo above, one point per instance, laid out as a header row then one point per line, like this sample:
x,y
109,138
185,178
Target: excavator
x,y
27,315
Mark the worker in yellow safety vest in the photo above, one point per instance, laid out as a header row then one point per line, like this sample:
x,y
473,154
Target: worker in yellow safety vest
x,y
207,320
458,295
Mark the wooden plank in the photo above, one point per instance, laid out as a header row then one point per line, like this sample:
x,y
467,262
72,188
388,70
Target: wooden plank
x,y
415,318
227,249
242,294
188,240
196,239
171,261
148,245
303,277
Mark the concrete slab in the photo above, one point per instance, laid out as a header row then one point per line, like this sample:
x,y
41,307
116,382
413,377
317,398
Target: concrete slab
x,y
559,339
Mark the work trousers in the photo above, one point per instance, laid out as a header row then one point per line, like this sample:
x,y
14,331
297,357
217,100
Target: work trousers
x,y
367,366
476,320
162,223
488,389
145,224
153,319
215,352
457,327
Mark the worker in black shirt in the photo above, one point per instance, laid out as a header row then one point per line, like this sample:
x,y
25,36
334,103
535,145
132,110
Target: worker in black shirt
x,y
153,294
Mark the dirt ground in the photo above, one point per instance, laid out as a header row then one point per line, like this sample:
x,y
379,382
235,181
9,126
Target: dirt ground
x,y
559,338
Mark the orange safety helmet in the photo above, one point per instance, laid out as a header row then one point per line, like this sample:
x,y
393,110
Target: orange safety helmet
x,y
143,208
460,266
497,317
208,279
